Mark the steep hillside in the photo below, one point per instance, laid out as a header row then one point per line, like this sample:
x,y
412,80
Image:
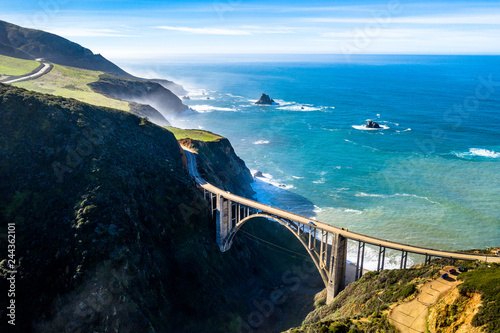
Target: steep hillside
x,y
71,82
112,235
19,42
469,303
140,91
219,164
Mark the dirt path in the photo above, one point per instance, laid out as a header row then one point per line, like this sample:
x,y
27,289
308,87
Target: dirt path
x,y
411,316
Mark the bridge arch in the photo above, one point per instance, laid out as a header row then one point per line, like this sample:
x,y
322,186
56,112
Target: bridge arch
x,y
331,254
229,239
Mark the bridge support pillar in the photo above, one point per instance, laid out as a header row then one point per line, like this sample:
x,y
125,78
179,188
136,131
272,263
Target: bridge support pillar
x,y
223,222
336,275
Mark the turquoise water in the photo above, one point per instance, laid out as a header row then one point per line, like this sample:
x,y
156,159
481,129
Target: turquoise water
x,y
430,177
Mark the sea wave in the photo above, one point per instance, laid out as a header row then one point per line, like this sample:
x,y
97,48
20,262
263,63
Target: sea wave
x,y
363,194
477,152
261,142
269,180
364,128
210,108
298,107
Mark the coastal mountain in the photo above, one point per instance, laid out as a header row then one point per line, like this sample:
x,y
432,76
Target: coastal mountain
x,y
24,43
21,42
113,235
156,99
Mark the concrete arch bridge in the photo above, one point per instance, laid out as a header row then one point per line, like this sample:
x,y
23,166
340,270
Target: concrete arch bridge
x,y
326,244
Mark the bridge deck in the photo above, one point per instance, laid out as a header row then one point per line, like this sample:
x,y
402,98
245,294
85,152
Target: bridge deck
x,y
326,227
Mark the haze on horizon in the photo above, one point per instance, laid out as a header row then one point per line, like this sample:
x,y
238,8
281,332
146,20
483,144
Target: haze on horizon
x,y
155,28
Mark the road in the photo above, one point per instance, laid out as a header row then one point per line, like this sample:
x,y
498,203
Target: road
x,y
44,70
323,226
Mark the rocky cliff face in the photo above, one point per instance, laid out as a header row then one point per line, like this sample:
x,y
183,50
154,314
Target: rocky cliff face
x,y
220,166
140,91
112,235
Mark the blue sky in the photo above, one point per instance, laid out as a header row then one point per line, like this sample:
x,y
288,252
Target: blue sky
x,y
153,29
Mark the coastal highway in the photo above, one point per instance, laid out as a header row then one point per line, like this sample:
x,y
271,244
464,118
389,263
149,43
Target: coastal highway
x,y
326,227
44,70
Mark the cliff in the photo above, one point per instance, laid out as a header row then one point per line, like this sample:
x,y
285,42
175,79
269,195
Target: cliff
x,y
219,165
112,234
140,91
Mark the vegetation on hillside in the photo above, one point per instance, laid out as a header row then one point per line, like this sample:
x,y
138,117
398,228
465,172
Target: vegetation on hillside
x,y
363,305
72,82
366,298
193,134
14,67
112,234
486,281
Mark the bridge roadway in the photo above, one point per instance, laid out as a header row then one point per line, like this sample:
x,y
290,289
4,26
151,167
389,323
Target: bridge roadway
x,y
326,227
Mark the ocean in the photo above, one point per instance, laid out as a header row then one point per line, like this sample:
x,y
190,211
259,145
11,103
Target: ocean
x,y
430,176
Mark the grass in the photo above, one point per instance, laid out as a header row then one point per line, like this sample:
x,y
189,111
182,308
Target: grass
x,y
16,67
199,135
72,82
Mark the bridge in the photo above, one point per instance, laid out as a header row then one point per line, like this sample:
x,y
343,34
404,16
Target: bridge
x,y
326,244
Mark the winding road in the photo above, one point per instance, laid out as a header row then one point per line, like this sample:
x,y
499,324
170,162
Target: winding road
x,y
326,227
44,70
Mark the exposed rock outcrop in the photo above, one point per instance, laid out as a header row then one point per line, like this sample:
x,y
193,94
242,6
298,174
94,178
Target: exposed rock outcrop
x,y
265,100
372,124
258,174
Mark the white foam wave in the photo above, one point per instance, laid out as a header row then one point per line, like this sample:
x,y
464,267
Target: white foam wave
x,y
477,152
317,209
261,142
296,177
210,108
300,108
364,128
268,178
363,194
355,211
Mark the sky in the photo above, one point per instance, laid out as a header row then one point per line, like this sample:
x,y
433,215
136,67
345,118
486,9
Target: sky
x,y
148,29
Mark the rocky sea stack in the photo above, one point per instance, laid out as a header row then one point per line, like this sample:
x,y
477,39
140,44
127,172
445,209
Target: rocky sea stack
x,y
372,124
265,99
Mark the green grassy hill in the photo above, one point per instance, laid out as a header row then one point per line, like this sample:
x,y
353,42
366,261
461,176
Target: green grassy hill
x,y
13,66
199,135
73,82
